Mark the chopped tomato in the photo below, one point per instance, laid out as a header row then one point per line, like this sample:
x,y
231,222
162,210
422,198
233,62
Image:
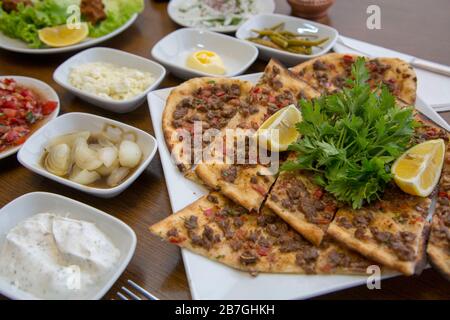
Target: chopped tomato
x,y
416,220
330,208
263,251
318,194
348,58
11,136
261,190
10,113
49,107
321,221
20,141
444,194
176,240
326,268
27,93
208,212
240,234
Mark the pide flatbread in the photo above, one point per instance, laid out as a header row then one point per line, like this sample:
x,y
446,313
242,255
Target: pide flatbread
x,y
302,204
214,101
222,231
438,249
258,222
392,231
328,73
277,88
248,184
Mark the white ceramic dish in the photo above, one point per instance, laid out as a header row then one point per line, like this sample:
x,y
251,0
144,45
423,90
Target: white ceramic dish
x,y
301,26
116,57
30,204
31,153
46,93
17,45
264,6
212,280
173,50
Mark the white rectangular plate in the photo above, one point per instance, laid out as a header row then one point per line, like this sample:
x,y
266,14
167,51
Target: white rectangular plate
x,y
212,280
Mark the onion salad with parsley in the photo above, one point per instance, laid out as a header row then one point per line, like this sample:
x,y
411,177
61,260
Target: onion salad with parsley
x,y
350,139
216,13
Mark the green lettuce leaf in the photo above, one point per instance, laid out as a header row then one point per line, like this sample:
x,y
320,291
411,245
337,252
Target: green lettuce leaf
x,y
27,20
118,13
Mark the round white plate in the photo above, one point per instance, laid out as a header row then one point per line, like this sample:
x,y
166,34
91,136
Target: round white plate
x,y
263,6
17,45
46,92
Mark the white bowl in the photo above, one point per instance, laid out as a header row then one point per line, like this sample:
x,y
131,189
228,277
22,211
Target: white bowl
x,y
116,57
173,50
264,6
301,26
31,153
46,92
122,236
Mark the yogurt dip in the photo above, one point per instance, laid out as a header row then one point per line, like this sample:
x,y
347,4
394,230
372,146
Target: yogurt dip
x,y
54,257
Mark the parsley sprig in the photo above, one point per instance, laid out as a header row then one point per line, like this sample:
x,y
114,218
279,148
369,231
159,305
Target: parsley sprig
x,y
351,138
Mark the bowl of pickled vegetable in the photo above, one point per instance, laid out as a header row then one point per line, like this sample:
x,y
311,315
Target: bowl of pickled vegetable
x,y
288,39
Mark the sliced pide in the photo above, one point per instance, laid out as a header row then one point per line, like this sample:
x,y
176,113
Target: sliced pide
x,y
392,231
328,73
305,206
438,248
248,184
213,101
220,230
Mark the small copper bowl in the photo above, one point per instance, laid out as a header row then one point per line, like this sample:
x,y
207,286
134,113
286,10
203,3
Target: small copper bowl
x,y
310,9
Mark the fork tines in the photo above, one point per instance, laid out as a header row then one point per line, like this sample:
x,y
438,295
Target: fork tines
x,y
128,294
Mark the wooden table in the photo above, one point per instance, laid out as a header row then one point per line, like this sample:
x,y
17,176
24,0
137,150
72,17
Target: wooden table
x,y
158,266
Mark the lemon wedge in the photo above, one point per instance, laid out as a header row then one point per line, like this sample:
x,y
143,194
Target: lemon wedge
x,y
62,36
418,170
279,131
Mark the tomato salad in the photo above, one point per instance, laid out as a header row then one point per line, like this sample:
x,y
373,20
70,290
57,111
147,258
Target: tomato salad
x,y
20,110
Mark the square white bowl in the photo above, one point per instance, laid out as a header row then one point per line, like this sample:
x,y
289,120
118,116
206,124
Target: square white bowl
x,y
31,153
122,236
173,50
301,26
45,91
116,57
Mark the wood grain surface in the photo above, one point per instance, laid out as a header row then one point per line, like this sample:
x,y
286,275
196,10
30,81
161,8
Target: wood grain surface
x,y
415,26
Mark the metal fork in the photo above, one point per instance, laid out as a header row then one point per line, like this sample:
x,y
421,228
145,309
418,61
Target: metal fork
x,y
130,294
